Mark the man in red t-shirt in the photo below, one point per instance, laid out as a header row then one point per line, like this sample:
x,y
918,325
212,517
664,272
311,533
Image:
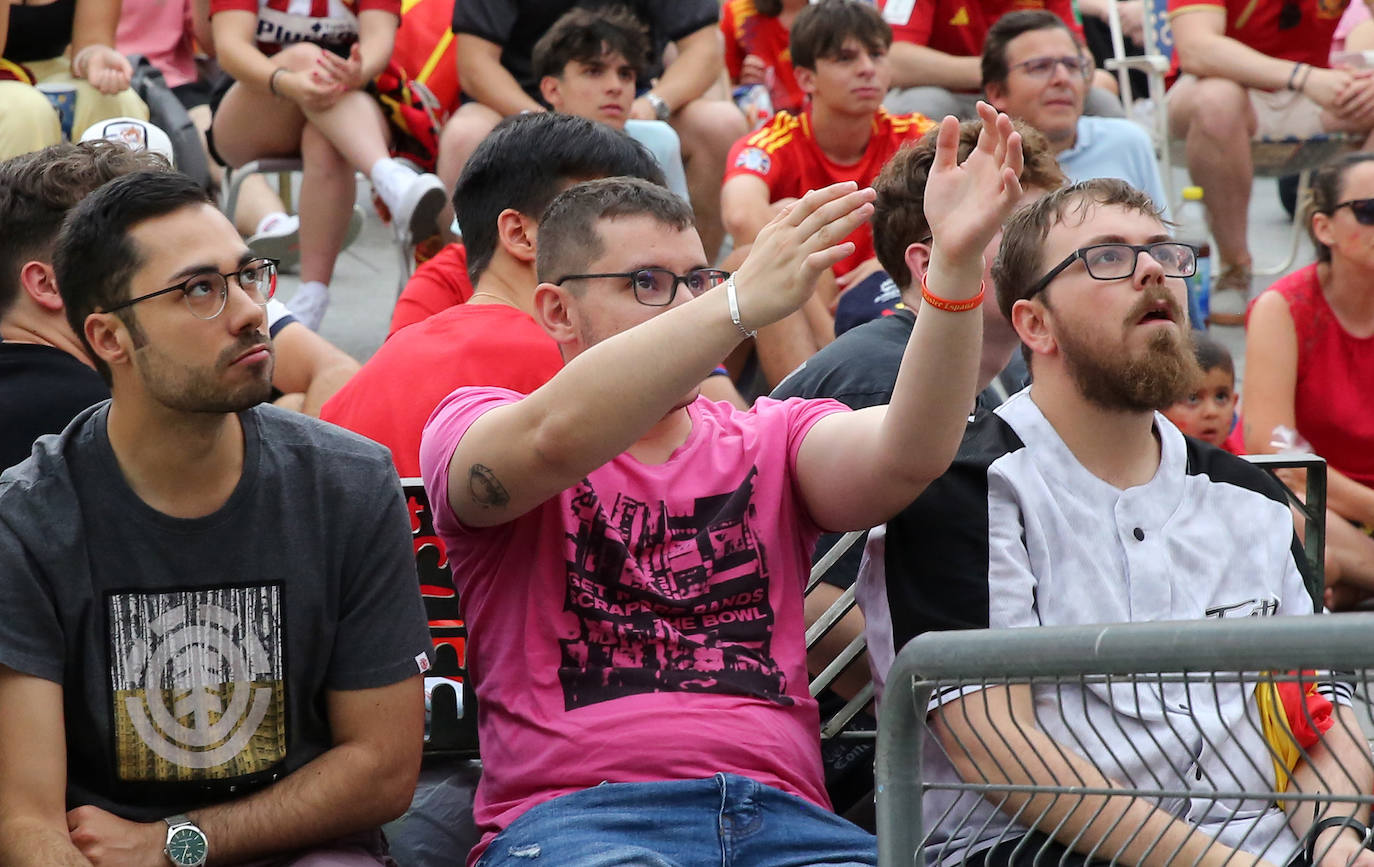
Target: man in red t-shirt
x,y
1254,70
839,53
491,339
937,48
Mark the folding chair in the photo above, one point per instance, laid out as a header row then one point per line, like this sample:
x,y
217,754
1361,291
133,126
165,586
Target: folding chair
x,y
1272,158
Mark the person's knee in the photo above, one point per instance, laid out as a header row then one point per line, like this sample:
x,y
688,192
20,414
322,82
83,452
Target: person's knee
x,y
466,129
299,56
27,120
711,125
1217,108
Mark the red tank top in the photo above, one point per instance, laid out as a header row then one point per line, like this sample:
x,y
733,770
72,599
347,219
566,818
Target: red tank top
x,y
1334,399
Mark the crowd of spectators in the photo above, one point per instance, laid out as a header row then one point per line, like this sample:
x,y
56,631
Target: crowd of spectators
x,y
698,286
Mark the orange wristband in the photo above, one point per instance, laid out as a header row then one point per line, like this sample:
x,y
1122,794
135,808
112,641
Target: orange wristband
x,y
948,306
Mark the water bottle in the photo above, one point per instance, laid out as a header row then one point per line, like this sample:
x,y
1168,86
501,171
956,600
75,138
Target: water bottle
x,y
1192,229
756,103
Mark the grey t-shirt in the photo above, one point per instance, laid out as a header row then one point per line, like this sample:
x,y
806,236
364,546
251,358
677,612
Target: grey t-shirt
x,y
195,653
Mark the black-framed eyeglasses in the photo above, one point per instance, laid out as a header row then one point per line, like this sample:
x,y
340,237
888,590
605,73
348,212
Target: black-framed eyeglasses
x,y
1362,209
656,287
1043,67
207,294
1115,261
1290,15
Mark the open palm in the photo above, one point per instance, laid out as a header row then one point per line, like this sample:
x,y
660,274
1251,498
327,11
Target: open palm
x,y
966,203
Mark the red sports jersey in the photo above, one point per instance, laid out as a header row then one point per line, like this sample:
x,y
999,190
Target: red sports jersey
x,y
747,32
330,23
1307,39
959,27
785,155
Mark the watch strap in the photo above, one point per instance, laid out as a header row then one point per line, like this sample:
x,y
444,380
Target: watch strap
x,y
178,819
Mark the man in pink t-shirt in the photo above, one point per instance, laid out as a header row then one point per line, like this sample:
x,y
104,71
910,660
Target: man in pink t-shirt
x,y
631,559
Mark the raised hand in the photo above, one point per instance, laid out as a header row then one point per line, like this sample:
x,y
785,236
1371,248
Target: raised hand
x,y
967,203
793,249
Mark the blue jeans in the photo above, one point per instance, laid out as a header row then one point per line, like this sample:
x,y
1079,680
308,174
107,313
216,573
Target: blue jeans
x,y
726,820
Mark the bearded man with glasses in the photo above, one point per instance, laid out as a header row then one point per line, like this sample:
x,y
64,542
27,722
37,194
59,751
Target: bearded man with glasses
x,y
1077,502
1036,70
211,613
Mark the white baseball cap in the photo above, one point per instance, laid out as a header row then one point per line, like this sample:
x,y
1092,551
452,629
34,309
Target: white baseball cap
x,y
139,135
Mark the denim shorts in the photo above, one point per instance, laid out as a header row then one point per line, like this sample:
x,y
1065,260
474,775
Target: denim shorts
x,y
725,820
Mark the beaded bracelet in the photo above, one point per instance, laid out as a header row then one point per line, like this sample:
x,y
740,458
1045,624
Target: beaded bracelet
x,y
948,306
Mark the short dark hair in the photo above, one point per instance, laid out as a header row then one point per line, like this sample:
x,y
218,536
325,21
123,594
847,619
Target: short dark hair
x,y
1325,193
1020,260
586,35
568,235
38,189
94,256
1007,28
526,161
768,8
1212,355
899,212
820,30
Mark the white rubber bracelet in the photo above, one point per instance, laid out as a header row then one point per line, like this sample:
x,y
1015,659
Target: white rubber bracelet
x,y
731,297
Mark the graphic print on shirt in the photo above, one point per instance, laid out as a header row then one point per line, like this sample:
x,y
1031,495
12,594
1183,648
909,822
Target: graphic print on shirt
x,y
198,683
667,602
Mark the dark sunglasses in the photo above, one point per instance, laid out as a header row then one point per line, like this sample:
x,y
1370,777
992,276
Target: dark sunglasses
x,y
1363,209
1290,15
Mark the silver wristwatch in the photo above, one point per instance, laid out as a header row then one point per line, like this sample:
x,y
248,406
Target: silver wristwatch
x,y
661,109
186,843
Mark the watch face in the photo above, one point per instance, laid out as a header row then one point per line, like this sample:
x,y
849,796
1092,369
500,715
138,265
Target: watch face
x,y
186,846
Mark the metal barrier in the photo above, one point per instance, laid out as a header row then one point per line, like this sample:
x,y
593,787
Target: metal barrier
x,y
1167,713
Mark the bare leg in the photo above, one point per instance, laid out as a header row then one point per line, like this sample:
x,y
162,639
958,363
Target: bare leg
x,y
257,199
461,135
326,203
1214,117
708,129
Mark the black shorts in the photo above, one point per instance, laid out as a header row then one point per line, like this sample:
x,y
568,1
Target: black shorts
x,y
218,89
192,94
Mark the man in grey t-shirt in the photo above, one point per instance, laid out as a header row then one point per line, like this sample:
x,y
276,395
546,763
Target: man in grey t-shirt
x,y
208,608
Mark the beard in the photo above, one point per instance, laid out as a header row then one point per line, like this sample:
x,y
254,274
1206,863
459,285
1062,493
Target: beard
x,y
193,389
1164,372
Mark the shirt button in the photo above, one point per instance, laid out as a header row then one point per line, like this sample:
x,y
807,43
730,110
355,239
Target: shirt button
x,y
1139,534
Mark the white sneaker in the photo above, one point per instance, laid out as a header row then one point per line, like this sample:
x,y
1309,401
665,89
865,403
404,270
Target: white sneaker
x,y
279,239
418,210
309,304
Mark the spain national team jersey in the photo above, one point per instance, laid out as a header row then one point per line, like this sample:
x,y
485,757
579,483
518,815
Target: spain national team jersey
x,y
958,27
1296,30
747,32
329,23
785,155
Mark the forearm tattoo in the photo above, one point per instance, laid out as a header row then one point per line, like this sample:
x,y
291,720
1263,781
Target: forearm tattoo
x,y
486,489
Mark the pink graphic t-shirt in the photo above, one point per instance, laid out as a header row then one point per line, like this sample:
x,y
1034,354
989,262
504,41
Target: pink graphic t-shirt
x,y
645,624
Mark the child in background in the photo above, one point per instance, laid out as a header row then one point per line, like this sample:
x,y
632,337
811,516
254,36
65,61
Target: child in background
x,y
1209,413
